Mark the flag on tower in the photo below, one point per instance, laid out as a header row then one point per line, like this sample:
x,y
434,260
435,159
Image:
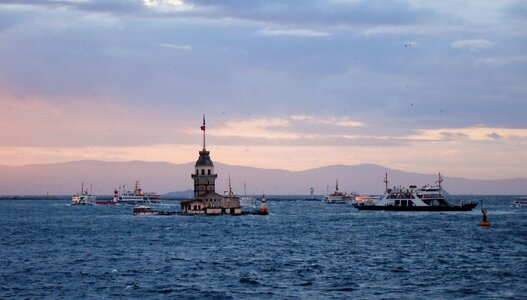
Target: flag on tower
x,y
203,126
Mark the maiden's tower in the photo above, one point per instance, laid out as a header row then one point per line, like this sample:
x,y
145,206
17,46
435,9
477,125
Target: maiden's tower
x,y
206,200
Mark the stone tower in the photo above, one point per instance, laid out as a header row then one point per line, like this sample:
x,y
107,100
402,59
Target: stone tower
x,y
204,176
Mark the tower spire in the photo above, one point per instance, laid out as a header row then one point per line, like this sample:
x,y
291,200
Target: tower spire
x,y
203,128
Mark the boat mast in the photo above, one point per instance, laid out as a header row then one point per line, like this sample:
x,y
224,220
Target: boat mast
x,y
439,180
136,187
230,188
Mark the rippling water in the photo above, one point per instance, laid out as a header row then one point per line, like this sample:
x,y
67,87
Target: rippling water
x,y
49,249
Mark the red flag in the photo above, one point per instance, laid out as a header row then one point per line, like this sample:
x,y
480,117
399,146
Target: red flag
x,y
203,126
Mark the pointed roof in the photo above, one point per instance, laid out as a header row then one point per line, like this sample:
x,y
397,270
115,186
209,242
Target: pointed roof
x,y
204,159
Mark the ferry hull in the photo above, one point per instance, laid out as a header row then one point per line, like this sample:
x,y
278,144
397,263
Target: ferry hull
x,y
464,207
106,203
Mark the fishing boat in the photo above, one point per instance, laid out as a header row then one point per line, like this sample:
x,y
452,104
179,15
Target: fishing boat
x,y
136,197
426,198
337,197
83,198
520,202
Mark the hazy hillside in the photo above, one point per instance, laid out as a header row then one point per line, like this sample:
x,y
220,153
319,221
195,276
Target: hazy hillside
x,y
66,178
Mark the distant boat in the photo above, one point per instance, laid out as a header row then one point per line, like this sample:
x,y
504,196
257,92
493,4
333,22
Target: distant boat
x,y
143,210
311,195
83,198
365,199
136,197
245,201
426,198
520,202
338,197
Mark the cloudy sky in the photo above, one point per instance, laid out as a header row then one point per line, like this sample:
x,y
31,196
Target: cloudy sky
x,y
422,86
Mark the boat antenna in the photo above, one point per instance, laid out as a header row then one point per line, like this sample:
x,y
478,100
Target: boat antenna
x,y
439,180
203,129
82,188
230,188
386,180
337,185
244,189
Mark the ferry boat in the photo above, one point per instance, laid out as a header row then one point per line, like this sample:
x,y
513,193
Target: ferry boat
x,y
136,197
520,202
83,198
337,197
426,198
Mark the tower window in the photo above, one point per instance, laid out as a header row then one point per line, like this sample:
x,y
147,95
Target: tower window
x,y
202,171
208,171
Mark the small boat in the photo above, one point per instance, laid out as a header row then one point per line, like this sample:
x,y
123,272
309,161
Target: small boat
x,y
83,198
426,198
337,197
143,210
365,199
136,197
245,201
520,202
312,197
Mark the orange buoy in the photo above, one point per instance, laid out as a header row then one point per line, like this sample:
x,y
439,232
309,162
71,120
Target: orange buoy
x,y
484,222
263,208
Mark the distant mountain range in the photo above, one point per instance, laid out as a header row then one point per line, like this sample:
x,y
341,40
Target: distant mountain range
x,y
161,177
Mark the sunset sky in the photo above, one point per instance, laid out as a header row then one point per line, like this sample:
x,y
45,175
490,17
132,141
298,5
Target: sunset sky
x,y
421,86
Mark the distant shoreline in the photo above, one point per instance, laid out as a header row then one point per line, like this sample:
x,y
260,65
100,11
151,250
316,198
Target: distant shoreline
x,y
171,198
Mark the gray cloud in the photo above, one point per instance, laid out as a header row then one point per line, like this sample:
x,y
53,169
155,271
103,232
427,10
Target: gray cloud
x,y
494,136
100,49
312,12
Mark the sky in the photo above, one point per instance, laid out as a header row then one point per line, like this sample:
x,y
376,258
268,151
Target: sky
x,y
421,86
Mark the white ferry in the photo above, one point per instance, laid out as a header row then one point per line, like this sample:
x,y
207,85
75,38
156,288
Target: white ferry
x,y
520,202
83,198
136,197
426,198
337,197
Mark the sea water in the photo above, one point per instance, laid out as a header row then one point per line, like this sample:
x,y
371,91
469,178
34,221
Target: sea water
x,y
302,249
